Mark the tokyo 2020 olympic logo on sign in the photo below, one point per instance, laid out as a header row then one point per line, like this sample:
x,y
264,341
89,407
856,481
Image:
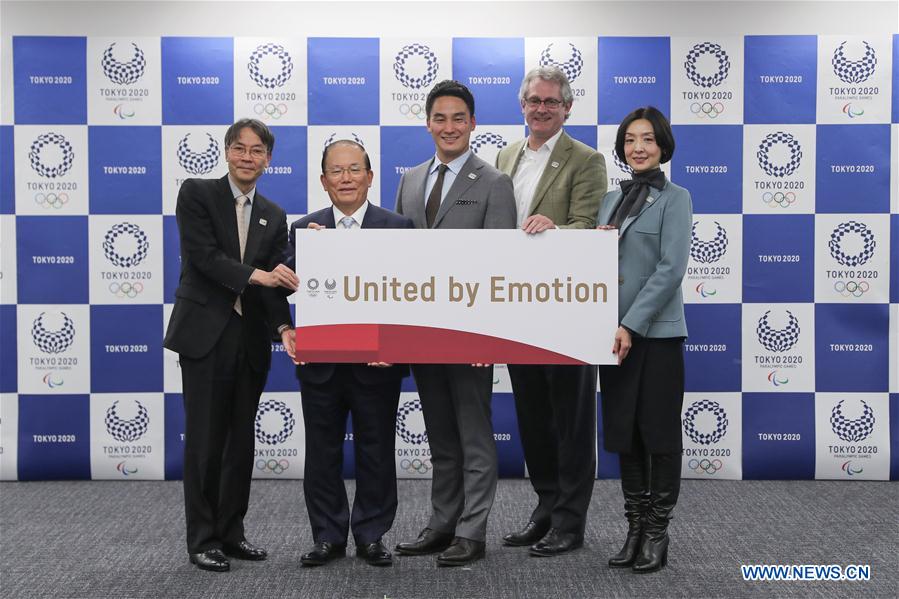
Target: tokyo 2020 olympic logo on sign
x,y
288,421
416,80
403,430
198,163
572,66
53,342
123,73
783,169
488,139
127,260
333,137
127,430
623,166
854,71
852,430
709,251
715,409
257,67
37,157
836,244
702,79
778,340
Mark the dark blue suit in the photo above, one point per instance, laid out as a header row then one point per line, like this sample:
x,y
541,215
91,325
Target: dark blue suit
x,y
331,392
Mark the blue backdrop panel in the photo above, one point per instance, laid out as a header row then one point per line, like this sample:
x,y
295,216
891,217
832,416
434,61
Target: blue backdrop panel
x,y
174,436
853,168
709,162
197,81
7,171
52,256
712,353
633,71
781,79
852,347
778,435
126,350
285,179
125,170
54,437
491,69
50,80
778,258
344,81
401,148
8,349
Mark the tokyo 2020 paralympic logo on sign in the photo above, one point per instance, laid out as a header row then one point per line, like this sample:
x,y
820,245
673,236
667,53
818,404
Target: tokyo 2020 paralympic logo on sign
x,y
333,137
572,67
53,342
764,154
36,155
852,430
709,251
288,421
778,340
415,81
255,66
198,163
488,139
621,164
124,430
698,407
405,433
123,73
704,80
836,244
140,240
854,71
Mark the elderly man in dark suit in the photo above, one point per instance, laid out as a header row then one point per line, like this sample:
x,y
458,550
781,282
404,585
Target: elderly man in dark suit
x,y
227,310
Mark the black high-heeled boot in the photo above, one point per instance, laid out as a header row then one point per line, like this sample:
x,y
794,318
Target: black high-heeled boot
x,y
635,487
664,488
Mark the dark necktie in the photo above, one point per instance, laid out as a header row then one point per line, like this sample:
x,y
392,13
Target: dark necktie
x,y
433,204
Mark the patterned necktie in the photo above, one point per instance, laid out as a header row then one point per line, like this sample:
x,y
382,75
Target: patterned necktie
x,y
433,204
240,202
347,222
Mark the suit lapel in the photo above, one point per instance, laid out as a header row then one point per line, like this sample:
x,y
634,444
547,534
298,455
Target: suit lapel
x,y
651,200
418,181
328,219
515,151
373,219
465,179
554,166
224,201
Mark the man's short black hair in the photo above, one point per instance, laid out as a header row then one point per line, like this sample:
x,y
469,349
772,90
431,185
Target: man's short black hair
x,y
345,142
660,127
257,126
448,87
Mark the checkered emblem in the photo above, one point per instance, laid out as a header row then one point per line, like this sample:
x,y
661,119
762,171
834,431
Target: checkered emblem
x,y
256,66
287,422
123,430
333,137
572,67
44,142
621,164
403,430
488,139
778,340
854,71
703,80
412,81
836,244
849,430
705,405
53,342
198,163
139,238
710,251
779,170
123,73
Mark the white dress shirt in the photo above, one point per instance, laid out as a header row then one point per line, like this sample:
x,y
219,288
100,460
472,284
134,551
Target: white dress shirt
x,y
357,217
452,170
530,168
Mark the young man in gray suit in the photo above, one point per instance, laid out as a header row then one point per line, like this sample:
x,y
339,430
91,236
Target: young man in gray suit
x,y
456,190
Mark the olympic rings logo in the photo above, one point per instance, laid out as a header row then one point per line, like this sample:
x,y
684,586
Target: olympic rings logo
x,y
707,109
126,289
705,466
272,465
416,466
51,200
270,110
413,111
853,288
779,198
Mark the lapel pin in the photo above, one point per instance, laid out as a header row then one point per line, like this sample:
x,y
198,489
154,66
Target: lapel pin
x,y
554,164
650,199
263,222
472,176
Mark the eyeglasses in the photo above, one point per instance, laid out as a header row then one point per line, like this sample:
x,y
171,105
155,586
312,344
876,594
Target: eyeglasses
x,y
549,103
335,172
255,152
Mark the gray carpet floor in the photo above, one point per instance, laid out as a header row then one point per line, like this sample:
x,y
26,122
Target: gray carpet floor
x,y
125,539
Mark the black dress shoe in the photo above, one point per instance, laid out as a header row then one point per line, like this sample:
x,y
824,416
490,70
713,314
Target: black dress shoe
x,y
246,550
530,534
556,542
429,541
213,560
375,554
322,553
461,552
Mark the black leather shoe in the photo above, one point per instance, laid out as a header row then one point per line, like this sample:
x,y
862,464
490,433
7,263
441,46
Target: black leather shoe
x,y
375,554
461,552
429,541
213,560
530,534
246,550
556,542
322,553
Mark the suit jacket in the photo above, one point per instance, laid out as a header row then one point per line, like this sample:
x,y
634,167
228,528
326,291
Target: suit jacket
x,y
213,275
568,193
481,197
653,250
375,218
